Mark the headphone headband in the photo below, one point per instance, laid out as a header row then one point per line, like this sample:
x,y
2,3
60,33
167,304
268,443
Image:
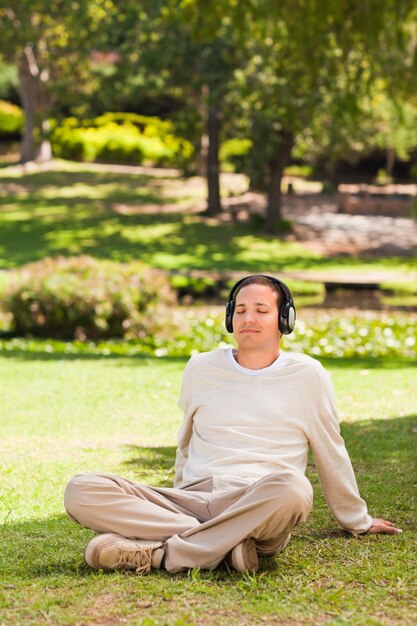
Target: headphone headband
x,y
286,312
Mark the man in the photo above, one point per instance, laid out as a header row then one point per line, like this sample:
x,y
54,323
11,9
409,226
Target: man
x,y
249,417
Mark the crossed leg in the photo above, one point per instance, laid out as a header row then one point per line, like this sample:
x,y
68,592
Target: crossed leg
x,y
199,527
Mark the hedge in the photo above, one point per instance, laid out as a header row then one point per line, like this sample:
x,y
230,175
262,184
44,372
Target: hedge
x,y
121,138
11,119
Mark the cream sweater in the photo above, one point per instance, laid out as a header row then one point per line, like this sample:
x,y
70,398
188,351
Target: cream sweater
x,y
240,427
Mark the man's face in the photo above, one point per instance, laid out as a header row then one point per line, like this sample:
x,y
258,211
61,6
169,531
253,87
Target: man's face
x,y
255,318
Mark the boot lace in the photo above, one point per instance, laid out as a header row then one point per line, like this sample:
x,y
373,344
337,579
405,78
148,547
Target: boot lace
x,y
141,559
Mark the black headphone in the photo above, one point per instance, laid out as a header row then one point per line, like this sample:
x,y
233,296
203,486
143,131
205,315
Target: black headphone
x,y
286,313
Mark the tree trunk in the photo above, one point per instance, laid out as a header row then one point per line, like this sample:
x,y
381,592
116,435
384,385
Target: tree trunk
x,y
213,166
35,145
276,170
202,155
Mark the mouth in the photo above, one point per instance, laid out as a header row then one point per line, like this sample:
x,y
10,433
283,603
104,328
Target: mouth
x,y
249,331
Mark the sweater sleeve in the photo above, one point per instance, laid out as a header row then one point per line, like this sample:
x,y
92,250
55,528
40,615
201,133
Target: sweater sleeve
x,y
333,464
185,432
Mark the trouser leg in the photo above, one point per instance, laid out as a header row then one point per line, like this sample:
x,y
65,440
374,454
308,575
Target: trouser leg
x,y
199,528
106,503
267,511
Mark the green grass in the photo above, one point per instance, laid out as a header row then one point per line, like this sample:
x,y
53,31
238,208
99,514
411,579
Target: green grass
x,y
71,210
64,414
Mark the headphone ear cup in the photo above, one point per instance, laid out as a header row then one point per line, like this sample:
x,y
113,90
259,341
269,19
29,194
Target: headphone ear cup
x,y
229,316
286,319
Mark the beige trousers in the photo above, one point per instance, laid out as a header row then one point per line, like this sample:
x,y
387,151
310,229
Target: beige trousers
x,y
197,525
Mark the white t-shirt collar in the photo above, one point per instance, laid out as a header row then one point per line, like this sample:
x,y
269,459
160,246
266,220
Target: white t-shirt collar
x,y
281,361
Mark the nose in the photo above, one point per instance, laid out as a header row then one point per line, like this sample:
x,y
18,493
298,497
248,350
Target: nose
x,y
249,317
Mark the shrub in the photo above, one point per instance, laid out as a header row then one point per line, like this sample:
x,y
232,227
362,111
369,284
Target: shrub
x,y
11,119
82,298
234,154
302,171
121,138
195,287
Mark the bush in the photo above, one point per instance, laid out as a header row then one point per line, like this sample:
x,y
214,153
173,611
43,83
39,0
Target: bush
x,y
302,171
82,298
234,154
11,119
9,82
121,138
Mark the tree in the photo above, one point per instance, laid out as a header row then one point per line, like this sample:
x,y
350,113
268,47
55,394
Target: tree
x,y
306,59
193,63
49,42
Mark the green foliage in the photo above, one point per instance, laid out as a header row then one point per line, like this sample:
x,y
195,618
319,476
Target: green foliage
x,y
11,119
395,125
121,138
81,297
194,287
234,154
303,171
8,81
322,336
367,335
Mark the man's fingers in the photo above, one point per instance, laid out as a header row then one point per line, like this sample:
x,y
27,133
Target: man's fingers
x,y
390,530
384,526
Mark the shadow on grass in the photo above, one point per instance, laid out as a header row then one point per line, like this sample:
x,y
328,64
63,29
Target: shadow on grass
x,y
37,226
170,240
384,448
27,548
370,362
153,466
57,178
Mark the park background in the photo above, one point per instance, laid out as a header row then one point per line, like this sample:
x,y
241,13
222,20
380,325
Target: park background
x,y
151,153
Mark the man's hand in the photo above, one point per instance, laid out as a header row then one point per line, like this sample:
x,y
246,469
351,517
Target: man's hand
x,y
382,526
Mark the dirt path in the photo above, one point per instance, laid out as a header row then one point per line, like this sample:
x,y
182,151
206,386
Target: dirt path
x,y
319,226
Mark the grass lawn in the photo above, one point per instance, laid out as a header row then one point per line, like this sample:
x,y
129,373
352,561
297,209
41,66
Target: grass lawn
x,y
64,414
123,216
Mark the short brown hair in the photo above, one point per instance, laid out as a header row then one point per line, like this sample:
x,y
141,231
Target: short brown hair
x,y
259,279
